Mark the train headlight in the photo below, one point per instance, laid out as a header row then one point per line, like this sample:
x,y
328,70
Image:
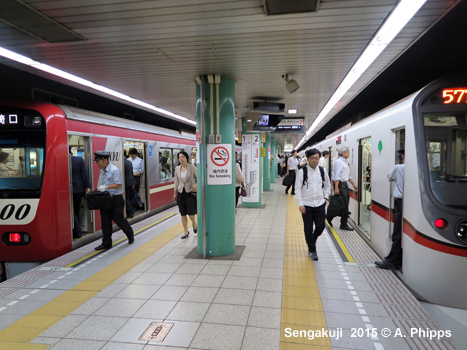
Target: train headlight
x,y
461,232
441,223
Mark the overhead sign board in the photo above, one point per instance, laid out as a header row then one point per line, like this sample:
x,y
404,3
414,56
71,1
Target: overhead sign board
x,y
292,121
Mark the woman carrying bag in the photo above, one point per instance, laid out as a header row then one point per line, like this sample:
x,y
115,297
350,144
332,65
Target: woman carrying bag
x,y
184,192
239,181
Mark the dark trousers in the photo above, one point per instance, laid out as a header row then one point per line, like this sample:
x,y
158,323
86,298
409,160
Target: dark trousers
x,y
77,197
128,196
292,176
115,213
395,255
137,183
314,216
344,193
237,194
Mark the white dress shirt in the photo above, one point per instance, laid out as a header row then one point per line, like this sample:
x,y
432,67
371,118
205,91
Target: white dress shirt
x,y
137,165
292,163
113,175
397,175
322,162
312,194
341,170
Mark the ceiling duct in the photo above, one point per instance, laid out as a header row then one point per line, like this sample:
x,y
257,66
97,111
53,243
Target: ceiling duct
x,y
268,107
23,17
281,7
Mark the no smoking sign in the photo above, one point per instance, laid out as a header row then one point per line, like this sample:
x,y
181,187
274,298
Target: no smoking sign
x,y
219,164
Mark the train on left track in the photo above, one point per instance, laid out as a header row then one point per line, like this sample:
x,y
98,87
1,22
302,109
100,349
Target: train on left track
x,y
36,211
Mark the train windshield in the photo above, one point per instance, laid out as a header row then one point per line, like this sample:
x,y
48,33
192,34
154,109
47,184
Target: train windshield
x,y
22,153
446,149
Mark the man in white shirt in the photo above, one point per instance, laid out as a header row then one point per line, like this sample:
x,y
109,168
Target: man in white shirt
x,y
394,258
138,167
341,174
292,165
311,197
323,160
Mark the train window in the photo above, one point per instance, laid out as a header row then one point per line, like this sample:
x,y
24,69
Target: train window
x,y
446,149
165,163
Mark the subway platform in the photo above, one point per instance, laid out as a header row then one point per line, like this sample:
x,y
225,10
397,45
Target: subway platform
x,y
149,295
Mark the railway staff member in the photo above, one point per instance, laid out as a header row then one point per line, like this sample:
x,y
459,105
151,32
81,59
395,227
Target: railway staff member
x,y
311,197
81,185
394,258
185,185
292,165
138,168
112,181
341,173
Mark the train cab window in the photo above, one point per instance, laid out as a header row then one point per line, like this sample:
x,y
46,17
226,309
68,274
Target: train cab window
x,y
446,149
165,163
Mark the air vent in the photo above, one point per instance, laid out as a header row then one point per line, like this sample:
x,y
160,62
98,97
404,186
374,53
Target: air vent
x,y
268,107
281,7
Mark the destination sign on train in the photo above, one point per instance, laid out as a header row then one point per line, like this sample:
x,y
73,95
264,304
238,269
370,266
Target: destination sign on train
x,y
454,95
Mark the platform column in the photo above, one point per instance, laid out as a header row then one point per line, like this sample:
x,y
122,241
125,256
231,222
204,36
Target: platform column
x,y
274,161
216,171
266,164
252,167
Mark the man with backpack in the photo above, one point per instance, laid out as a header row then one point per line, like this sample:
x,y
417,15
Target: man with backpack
x,y
313,189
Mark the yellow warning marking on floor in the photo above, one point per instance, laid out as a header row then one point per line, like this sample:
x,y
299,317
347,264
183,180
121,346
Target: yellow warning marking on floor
x,y
302,309
19,334
120,240
341,244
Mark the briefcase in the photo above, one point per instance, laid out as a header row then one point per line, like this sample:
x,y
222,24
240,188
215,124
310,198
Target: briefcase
x,y
287,181
98,200
337,206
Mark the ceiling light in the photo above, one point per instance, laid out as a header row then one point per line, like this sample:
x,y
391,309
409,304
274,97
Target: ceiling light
x,y
290,84
49,69
249,120
396,21
292,111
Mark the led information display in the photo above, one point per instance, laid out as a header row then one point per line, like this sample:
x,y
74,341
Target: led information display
x,y
454,95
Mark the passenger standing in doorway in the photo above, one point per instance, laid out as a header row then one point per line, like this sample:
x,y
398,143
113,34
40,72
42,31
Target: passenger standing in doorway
x,y
185,185
323,160
129,185
394,259
313,190
81,185
112,181
138,168
292,165
341,175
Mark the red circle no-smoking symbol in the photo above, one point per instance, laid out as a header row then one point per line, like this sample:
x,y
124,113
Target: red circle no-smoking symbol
x,y
220,156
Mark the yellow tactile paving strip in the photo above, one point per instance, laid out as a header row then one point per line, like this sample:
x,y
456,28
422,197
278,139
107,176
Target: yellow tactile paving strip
x,y
302,309
19,334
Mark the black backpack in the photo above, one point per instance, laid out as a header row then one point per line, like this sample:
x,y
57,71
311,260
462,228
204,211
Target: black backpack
x,y
305,175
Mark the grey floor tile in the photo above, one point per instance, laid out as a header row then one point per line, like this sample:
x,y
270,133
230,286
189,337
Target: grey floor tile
x,y
129,277
24,307
249,262
122,346
248,271
269,272
273,263
158,347
200,294
175,259
220,262
170,293
120,307
227,314
64,326
210,269
138,291
76,344
190,268
45,340
188,311
240,282
261,338
112,290
179,279
42,295
91,306
208,281
164,268
234,296
344,307
155,309
97,328
269,284
267,299
253,254
152,278
142,267
132,331
265,317
226,337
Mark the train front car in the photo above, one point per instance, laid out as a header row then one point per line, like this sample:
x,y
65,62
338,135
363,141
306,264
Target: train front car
x,y
34,187
435,258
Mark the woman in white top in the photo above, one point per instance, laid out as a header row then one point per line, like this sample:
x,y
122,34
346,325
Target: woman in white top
x,y
185,185
4,170
239,180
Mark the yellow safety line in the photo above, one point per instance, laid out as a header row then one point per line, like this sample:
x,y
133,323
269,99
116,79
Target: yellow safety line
x,y
302,309
116,242
341,244
19,334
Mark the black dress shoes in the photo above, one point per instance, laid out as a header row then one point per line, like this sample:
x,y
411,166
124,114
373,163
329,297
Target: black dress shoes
x,y
183,237
195,231
329,221
131,240
102,247
385,265
346,228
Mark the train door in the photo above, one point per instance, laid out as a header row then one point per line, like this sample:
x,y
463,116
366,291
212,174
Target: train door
x,y
330,164
364,185
141,187
80,146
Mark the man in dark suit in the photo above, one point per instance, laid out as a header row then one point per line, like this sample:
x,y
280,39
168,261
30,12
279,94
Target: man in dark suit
x,y
129,186
81,185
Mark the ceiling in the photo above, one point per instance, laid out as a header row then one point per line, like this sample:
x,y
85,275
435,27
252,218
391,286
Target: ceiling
x,y
152,50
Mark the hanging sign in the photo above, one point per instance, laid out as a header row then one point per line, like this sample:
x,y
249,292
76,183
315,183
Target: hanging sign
x,y
219,164
250,167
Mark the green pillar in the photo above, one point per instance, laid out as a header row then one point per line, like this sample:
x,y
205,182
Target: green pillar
x,y
252,167
217,162
274,161
266,164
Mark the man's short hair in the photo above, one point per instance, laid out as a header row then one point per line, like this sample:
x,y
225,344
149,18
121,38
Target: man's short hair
x,y
133,151
342,150
293,151
325,153
311,152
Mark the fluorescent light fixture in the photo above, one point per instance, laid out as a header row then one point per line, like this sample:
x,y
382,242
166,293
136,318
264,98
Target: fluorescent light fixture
x,y
397,20
49,69
292,111
249,120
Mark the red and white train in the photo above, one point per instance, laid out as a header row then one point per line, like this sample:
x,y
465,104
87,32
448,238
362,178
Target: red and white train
x,y
431,125
36,211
